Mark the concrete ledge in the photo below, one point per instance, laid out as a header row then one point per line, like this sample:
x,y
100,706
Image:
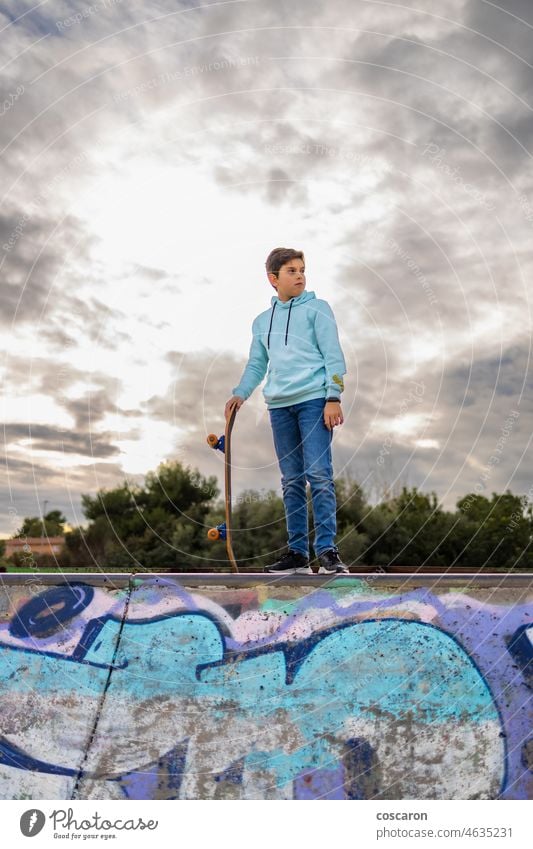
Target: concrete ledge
x,y
247,579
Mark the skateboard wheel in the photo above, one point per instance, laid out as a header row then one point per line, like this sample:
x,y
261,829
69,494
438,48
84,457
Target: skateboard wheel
x,y
212,440
213,533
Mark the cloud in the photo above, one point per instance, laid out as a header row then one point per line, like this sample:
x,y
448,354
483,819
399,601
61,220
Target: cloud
x,y
151,158
50,439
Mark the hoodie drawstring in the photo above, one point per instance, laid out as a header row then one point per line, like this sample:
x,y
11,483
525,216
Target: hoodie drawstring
x,y
288,319
272,319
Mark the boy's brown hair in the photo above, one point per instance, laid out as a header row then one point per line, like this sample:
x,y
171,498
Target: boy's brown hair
x,y
279,256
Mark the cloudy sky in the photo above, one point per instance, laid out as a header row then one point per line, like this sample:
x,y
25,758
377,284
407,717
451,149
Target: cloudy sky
x,y
153,153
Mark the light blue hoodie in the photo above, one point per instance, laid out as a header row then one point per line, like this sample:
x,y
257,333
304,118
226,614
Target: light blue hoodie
x,y
297,341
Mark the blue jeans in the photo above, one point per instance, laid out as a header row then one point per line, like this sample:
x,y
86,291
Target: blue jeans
x,y
303,446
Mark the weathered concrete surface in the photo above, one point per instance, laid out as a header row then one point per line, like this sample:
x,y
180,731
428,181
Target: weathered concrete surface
x,y
249,687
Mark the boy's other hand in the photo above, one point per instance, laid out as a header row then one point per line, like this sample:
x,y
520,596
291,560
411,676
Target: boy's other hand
x,y
234,400
332,414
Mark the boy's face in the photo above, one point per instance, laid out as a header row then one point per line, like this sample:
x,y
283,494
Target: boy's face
x,y
290,281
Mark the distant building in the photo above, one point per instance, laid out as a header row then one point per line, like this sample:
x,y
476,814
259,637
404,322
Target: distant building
x,y
35,545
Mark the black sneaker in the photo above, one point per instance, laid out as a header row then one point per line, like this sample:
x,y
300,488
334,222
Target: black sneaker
x,y
291,563
331,563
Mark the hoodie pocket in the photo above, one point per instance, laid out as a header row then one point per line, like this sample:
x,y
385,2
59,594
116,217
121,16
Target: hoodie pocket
x,y
289,382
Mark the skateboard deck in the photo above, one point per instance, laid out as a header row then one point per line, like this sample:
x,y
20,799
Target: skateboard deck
x,y
223,443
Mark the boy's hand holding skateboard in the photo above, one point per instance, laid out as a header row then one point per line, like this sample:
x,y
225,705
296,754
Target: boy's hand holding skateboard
x,y
333,414
235,400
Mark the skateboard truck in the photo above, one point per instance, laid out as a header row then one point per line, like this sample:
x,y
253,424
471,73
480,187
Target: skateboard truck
x,y
218,442
217,533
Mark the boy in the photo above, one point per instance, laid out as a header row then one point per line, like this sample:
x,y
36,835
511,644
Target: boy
x,y
297,340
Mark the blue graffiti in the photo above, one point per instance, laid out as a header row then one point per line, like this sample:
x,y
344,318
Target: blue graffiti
x,y
49,611
521,648
161,779
391,670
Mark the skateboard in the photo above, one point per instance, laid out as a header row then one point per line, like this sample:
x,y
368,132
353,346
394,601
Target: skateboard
x,y
223,443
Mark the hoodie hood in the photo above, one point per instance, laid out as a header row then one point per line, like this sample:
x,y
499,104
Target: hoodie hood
x,y
285,305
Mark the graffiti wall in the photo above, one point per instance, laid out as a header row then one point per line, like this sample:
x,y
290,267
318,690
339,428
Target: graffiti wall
x,y
347,690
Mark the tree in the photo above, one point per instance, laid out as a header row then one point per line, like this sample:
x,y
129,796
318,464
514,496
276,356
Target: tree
x,y
411,530
163,524
495,532
352,511
51,525
136,527
260,529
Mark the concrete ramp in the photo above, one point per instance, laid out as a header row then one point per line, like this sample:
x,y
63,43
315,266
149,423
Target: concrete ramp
x,y
255,687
